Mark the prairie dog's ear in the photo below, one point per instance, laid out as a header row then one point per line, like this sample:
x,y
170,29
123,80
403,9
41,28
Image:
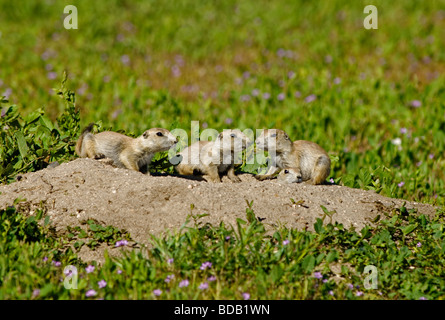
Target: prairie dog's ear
x,y
220,135
145,135
286,136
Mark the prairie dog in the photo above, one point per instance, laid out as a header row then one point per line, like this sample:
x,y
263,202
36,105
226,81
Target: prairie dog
x,y
125,152
290,175
212,158
308,157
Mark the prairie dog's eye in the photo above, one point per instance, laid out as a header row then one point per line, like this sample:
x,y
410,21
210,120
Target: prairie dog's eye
x,y
232,135
286,171
159,134
299,177
273,135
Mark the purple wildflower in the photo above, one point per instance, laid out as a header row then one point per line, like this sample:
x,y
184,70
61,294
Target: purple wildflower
x,y
57,263
401,184
310,98
125,59
286,242
121,243
418,245
169,278
184,283
337,80
331,181
403,130
297,94
281,97
89,269
423,298
415,104
358,293
281,52
266,96
350,286
431,155
244,98
157,292
331,293
102,284
211,278
255,92
35,293
90,293
68,272
7,93
318,275
228,121
205,265
246,296
45,259
291,74
203,286
176,71
119,271
170,261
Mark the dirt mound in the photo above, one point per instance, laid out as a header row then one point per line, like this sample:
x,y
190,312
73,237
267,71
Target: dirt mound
x,y
144,205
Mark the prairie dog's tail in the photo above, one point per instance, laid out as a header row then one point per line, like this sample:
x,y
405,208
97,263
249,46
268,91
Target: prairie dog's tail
x,y
85,131
322,169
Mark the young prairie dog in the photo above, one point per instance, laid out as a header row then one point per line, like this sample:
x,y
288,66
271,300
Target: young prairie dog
x,y
125,152
311,160
212,158
290,175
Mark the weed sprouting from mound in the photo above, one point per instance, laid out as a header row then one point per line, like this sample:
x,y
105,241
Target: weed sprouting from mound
x,y
33,142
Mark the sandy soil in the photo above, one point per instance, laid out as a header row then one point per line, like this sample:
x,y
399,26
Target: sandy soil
x,y
145,205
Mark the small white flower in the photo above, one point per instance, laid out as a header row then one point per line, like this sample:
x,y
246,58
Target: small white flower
x,y
396,141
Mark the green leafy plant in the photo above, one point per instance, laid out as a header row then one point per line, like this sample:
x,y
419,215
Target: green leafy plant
x,y
33,142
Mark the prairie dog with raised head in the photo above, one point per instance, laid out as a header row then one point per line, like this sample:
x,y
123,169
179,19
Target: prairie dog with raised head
x,y
309,158
125,152
212,158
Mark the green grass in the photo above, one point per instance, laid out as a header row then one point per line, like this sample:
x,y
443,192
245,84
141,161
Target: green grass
x,y
376,104
202,261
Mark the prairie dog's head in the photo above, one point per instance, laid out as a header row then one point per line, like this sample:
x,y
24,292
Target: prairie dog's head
x,y
158,139
274,140
290,175
232,140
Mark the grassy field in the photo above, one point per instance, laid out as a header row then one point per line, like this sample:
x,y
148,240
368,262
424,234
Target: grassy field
x,y
374,99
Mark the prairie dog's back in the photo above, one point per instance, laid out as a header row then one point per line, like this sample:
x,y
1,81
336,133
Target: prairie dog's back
x,y
111,144
310,147
313,160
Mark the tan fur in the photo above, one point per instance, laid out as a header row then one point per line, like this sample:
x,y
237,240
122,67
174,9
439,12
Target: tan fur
x,y
309,158
212,158
290,175
125,152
